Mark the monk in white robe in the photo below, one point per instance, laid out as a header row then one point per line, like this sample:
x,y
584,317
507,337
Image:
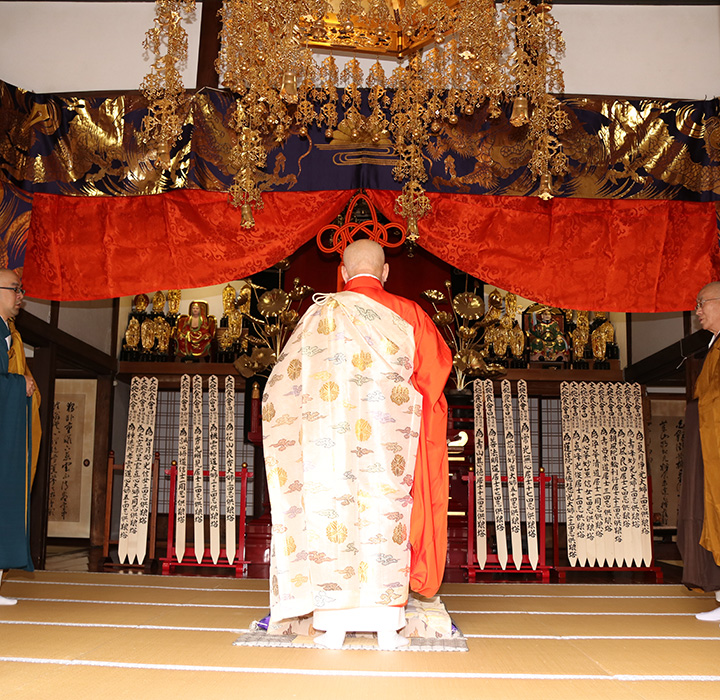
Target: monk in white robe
x,y
354,424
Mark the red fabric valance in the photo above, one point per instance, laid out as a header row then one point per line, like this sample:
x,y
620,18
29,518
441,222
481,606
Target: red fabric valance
x,y
590,254
104,247
599,255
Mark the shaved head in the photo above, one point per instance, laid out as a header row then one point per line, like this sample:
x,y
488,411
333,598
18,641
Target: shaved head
x,y
9,301
708,307
364,257
710,290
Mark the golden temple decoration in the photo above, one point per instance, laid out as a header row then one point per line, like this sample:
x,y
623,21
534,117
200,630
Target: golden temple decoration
x,y
163,87
271,330
453,57
468,329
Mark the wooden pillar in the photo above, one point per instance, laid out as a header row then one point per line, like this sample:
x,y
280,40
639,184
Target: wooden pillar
x,y
103,427
209,49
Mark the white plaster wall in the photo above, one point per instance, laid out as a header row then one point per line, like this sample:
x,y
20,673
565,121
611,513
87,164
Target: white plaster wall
x,y
643,51
653,332
89,321
81,46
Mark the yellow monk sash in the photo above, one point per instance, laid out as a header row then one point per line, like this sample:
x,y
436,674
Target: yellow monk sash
x,y
17,364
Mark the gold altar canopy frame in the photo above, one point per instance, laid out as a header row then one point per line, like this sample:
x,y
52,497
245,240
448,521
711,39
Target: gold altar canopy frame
x,y
475,53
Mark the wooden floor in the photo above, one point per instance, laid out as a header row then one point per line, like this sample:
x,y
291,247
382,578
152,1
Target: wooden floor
x,y
86,635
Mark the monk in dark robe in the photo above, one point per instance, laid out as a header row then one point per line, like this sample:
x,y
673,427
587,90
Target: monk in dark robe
x,y
699,519
19,433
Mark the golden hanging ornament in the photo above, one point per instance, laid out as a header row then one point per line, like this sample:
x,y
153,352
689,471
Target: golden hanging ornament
x,y
163,87
453,58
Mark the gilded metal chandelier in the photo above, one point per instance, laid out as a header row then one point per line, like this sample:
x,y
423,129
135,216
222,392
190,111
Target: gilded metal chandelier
x,y
452,56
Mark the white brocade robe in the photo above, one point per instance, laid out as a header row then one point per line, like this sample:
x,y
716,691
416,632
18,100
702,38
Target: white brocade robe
x,y
340,425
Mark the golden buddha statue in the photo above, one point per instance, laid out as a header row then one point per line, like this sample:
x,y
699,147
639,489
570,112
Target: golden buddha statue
x,y
163,331
173,298
603,334
132,335
228,299
580,335
158,303
140,303
195,331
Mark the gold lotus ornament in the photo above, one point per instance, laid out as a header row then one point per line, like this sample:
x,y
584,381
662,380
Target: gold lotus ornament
x,y
272,330
276,321
273,302
467,332
442,318
289,317
464,331
470,361
282,265
468,306
435,296
257,362
299,291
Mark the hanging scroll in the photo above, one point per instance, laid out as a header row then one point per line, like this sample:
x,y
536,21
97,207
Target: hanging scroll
x,y
129,471
214,468
150,388
624,448
495,474
182,467
72,445
480,513
641,469
595,502
569,439
197,432
527,468
135,504
605,496
606,486
230,539
511,470
488,427
665,437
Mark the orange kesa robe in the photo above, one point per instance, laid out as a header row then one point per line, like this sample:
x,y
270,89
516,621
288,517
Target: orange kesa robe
x,y
432,364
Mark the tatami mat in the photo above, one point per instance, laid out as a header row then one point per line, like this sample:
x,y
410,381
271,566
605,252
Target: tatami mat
x,y
80,636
